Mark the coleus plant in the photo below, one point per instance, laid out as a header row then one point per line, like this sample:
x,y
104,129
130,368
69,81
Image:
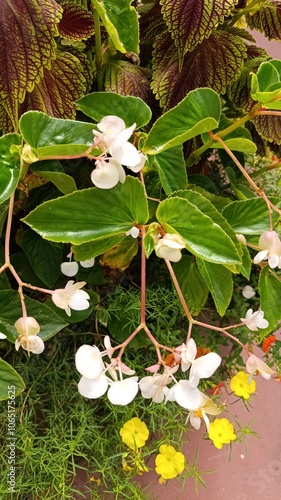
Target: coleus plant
x,y
215,90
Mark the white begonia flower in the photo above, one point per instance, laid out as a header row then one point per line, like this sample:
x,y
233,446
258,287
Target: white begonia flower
x,y
71,297
248,292
122,392
113,139
88,361
169,247
207,407
256,365
2,336
255,320
107,173
87,263
155,387
270,246
69,268
27,329
134,232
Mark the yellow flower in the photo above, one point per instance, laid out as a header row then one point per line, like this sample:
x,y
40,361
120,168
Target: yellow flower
x,y
240,385
169,462
221,432
134,433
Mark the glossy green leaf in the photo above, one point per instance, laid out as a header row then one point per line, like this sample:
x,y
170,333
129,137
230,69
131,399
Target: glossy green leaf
x,y
121,23
198,112
50,323
91,214
205,66
246,262
248,216
44,257
204,238
208,209
92,249
25,52
171,169
238,140
9,165
11,385
270,293
54,136
130,109
53,171
219,282
192,284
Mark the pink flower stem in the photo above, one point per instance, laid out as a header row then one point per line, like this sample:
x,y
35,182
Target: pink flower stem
x,y
143,277
179,292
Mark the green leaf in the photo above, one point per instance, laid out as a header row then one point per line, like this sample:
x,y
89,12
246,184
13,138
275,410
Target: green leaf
x,y
150,238
11,383
59,88
120,256
171,169
192,285
44,257
266,84
220,283
92,249
248,216
125,79
53,171
204,238
208,209
130,109
121,23
190,22
54,136
77,23
25,52
246,262
9,165
91,214
50,323
238,140
198,112
270,293
205,66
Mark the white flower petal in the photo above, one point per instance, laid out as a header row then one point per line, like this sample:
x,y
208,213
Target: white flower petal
x,y
195,421
105,177
93,388
87,263
126,154
248,292
204,367
123,392
2,335
69,268
187,396
78,301
255,364
88,361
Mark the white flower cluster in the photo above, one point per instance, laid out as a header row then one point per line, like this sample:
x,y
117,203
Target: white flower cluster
x,y
112,139
99,377
169,247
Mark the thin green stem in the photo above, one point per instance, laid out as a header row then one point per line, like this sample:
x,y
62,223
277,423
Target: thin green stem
x,y
239,123
98,49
